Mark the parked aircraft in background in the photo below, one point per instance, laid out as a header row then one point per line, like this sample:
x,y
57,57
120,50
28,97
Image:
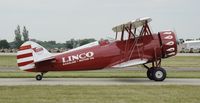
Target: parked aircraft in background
x,y
134,44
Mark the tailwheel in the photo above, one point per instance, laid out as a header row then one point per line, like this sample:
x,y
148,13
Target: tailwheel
x,y
39,76
159,74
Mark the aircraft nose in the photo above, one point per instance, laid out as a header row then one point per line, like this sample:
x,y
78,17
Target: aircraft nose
x,y
169,44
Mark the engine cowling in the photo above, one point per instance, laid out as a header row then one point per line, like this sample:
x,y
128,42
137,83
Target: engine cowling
x,y
168,43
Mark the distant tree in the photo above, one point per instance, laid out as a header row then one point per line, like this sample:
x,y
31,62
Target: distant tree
x,y
69,44
18,38
25,34
75,43
60,45
52,42
86,41
72,43
4,44
12,44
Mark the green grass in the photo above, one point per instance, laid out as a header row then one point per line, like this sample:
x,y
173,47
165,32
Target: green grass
x,y
100,74
76,74
182,61
8,61
100,94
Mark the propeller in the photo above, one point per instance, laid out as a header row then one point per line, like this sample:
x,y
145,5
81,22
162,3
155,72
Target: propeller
x,y
176,36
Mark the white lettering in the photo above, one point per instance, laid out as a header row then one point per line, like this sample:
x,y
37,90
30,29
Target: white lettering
x,y
169,32
69,58
170,43
82,56
63,59
78,58
170,49
90,54
169,37
170,54
74,57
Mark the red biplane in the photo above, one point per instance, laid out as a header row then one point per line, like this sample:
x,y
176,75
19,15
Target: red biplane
x,y
134,44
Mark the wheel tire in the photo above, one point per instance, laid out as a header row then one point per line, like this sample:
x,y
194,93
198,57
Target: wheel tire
x,y
38,77
149,73
159,74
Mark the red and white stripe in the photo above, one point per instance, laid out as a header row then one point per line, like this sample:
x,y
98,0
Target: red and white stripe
x,y
25,58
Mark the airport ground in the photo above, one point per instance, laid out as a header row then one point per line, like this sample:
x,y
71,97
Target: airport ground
x,y
103,86
100,94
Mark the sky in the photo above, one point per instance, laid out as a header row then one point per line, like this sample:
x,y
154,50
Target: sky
x,y
61,20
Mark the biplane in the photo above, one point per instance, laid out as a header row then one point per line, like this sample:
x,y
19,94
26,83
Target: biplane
x,y
134,44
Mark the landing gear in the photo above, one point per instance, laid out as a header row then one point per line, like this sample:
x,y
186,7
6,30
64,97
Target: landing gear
x,y
150,73
39,76
159,74
156,73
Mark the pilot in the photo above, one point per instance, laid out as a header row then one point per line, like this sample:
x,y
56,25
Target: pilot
x,y
103,42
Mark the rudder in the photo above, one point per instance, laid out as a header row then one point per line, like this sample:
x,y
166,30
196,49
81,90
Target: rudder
x,y
29,53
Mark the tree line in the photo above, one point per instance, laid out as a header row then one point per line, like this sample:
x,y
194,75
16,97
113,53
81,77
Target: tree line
x,y
4,44
21,37
69,44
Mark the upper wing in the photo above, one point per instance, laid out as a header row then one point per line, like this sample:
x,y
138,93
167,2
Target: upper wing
x,y
135,23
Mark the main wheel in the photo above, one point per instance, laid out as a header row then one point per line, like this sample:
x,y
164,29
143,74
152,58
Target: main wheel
x,y
149,73
159,74
38,77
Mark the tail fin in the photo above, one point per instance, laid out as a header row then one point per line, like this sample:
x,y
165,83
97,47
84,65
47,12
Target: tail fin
x,y
29,53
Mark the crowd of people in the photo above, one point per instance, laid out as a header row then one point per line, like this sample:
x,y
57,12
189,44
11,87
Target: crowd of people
x,y
8,50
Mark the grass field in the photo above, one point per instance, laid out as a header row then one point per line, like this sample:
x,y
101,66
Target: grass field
x,y
182,61
100,94
8,61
